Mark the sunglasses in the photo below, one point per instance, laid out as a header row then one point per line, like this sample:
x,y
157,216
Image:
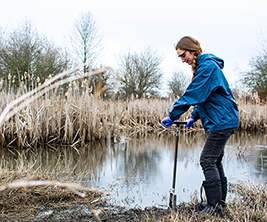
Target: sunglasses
x,y
183,54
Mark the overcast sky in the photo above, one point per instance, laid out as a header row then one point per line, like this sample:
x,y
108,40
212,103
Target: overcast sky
x,y
229,29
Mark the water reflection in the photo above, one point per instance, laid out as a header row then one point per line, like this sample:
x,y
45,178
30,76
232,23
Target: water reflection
x,y
138,167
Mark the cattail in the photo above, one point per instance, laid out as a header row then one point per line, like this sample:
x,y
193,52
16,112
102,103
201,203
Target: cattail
x,y
84,83
75,85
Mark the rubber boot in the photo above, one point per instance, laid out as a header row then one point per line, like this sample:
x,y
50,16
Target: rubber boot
x,y
213,192
201,205
224,191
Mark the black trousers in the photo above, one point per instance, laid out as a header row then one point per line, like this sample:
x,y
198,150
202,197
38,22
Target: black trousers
x,y
212,154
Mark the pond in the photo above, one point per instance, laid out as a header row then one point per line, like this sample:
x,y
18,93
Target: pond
x,y
137,168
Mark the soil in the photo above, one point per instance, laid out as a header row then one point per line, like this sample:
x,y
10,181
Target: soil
x,y
35,208
56,204
105,213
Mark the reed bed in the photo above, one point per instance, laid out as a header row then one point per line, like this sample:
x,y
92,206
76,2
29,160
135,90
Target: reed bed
x,y
80,116
253,111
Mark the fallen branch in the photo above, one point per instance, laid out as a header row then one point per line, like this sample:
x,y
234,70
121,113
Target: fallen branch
x,y
70,186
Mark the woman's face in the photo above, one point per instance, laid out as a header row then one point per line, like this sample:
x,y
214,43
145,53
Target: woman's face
x,y
186,56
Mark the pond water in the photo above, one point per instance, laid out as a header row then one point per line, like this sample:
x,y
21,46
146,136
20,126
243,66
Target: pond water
x,y
137,168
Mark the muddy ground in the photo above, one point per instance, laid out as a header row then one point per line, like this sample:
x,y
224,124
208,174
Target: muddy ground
x,y
103,213
56,203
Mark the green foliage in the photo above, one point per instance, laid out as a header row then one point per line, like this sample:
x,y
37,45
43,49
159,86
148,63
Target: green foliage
x,y
141,73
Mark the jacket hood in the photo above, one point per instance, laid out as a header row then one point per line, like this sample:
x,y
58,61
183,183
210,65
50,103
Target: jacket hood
x,y
203,57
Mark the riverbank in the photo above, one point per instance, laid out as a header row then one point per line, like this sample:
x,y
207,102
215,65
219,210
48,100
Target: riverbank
x,y
27,197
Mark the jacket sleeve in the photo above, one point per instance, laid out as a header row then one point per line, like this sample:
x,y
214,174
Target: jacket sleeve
x,y
198,91
195,114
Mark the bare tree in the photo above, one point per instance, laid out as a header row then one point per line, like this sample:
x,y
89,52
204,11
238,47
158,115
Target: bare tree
x,y
85,40
178,83
141,73
256,78
25,50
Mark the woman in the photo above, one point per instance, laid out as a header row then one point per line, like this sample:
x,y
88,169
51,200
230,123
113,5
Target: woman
x,y
215,106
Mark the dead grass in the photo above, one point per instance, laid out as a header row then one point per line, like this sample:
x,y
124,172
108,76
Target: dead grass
x,y
246,202
75,120
30,118
23,195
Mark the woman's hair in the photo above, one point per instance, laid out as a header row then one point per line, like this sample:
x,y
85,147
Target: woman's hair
x,y
192,45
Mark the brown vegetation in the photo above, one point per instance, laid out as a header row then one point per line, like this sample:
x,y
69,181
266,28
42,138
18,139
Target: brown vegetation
x,y
79,116
246,202
24,199
29,193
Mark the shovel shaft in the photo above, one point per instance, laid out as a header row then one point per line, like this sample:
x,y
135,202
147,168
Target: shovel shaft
x,y
175,158
172,202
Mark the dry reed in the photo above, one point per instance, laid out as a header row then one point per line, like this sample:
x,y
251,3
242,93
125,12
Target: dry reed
x,y
26,183
43,116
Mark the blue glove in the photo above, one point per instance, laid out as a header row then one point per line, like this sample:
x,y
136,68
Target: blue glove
x,y
189,122
167,121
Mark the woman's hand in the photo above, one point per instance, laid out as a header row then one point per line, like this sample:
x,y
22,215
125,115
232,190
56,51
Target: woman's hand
x,y
167,122
189,122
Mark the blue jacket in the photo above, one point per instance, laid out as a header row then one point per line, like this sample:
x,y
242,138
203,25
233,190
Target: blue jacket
x,y
210,95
